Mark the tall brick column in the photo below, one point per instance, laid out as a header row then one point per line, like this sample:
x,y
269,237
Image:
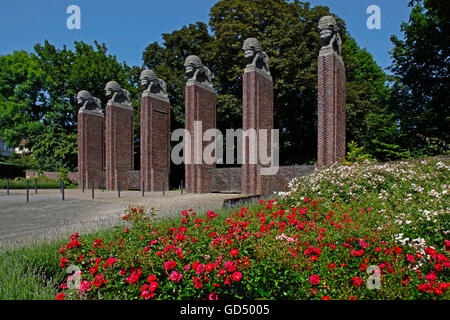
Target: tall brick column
x,y
200,105
91,150
331,110
331,96
119,144
155,141
257,113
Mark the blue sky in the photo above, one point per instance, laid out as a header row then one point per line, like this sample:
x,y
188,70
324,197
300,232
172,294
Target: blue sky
x,y
127,27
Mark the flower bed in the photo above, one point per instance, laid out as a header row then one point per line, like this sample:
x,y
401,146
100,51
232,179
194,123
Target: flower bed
x,y
267,251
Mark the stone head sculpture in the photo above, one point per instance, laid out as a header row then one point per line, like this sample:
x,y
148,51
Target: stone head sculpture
x,y
195,70
87,102
152,84
115,93
255,56
329,35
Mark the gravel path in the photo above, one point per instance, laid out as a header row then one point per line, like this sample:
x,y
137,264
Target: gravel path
x,y
46,216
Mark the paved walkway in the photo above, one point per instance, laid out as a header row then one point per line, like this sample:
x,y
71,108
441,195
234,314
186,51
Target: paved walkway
x,y
47,216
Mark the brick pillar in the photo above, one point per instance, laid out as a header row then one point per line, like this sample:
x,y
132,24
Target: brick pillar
x,y
200,105
91,150
155,141
331,109
257,113
119,144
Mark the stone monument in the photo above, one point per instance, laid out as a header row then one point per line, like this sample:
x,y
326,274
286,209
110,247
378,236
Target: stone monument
x,y
257,114
91,147
200,108
155,132
331,96
119,136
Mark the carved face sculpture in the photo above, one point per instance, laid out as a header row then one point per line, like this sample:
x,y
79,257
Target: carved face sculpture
x,y
327,27
250,47
147,77
82,97
111,87
191,64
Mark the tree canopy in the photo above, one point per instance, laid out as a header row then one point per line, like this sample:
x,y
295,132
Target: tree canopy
x,y
421,86
38,97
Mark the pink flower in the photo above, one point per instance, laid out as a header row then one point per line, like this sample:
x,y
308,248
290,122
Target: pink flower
x,y
200,268
230,266
176,276
213,296
170,265
85,286
363,244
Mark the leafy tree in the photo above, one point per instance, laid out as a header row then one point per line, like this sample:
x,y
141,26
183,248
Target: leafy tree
x,y
369,121
38,97
421,86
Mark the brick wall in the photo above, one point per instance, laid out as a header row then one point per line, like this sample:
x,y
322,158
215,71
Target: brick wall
x,y
226,180
200,105
257,113
331,110
119,144
91,152
134,180
155,142
229,179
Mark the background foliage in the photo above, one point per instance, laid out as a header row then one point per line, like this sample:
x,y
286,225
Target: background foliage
x,y
391,116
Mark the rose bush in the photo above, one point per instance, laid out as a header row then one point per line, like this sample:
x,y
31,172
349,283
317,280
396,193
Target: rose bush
x,y
268,251
364,231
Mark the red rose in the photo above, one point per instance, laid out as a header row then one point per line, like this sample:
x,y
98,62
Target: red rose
x,y
197,283
356,281
314,279
236,276
431,276
60,296
152,287
234,252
